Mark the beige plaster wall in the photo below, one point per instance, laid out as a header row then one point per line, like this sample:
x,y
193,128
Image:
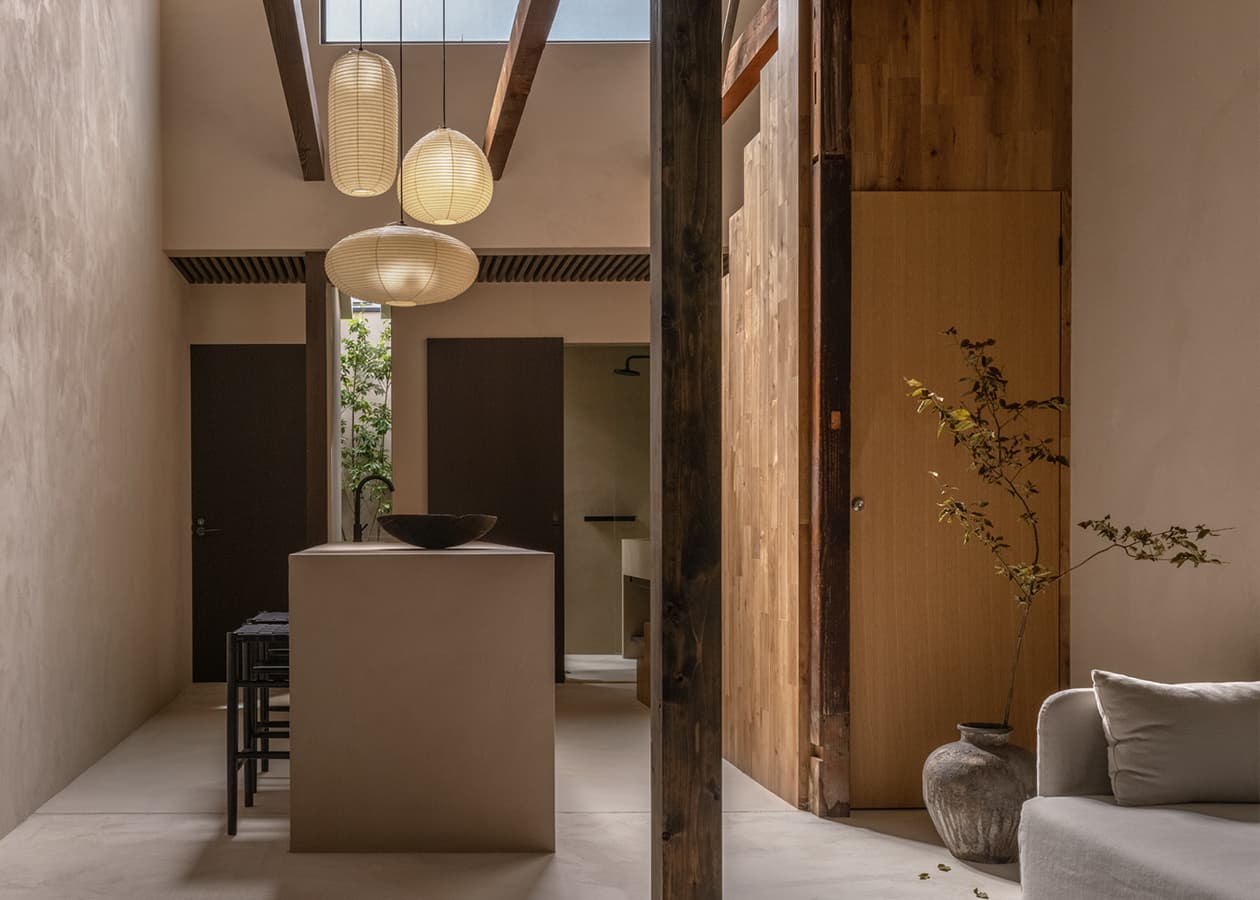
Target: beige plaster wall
x,y
1166,329
94,555
606,472
245,313
579,313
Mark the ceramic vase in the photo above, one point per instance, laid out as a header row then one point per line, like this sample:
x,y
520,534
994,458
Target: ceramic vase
x,y
974,789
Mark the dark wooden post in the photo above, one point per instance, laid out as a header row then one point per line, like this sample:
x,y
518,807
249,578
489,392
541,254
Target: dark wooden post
x,y
317,446
686,629
832,267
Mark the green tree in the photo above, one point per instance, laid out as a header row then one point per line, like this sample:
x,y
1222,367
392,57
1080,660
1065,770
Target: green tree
x,y
366,373
1002,445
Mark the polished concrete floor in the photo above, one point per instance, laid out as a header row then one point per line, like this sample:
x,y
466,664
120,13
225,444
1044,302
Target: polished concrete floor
x,y
599,668
147,822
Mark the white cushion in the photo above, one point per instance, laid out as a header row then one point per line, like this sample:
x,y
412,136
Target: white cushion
x,y
1180,743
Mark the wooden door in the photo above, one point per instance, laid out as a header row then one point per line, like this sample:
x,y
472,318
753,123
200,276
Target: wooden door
x,y
496,442
248,487
932,626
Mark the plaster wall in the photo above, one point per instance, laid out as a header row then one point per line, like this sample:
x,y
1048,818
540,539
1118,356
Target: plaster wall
x,y
245,313
579,313
94,547
1166,330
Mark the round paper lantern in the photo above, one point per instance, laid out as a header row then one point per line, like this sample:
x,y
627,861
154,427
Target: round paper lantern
x,y
401,265
445,179
362,124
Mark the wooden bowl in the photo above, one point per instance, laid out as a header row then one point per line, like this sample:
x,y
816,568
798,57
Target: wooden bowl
x,y
437,532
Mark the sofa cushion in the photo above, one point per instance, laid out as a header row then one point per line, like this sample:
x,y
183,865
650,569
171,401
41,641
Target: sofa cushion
x,y
1090,848
1180,743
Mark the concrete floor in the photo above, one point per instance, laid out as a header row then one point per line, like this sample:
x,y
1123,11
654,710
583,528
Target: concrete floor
x,y
147,822
599,668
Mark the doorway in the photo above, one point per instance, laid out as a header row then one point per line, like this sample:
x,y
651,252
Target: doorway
x,y
606,508
496,443
248,487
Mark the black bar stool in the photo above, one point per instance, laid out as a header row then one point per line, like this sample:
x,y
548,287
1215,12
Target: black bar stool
x,y
280,617
254,669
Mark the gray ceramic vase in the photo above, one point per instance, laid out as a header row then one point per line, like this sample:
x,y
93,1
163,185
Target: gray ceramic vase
x,y
974,789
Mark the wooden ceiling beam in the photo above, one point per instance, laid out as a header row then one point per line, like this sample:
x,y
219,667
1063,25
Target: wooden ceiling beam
x,y
530,31
288,39
750,52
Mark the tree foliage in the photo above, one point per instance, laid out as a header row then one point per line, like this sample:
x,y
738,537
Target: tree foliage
x,y
1005,444
366,373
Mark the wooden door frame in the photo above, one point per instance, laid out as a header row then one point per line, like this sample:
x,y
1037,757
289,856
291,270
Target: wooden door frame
x,y
318,394
830,220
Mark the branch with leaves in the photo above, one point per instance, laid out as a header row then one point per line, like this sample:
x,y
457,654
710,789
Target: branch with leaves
x,y
1003,442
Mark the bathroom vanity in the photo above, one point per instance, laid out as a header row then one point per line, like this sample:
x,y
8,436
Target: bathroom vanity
x,y
636,611
423,699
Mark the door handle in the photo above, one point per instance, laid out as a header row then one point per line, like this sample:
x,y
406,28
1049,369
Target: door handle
x,y
200,529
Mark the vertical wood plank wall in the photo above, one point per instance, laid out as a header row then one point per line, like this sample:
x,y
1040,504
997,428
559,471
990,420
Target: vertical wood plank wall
x,y
943,95
765,499
951,96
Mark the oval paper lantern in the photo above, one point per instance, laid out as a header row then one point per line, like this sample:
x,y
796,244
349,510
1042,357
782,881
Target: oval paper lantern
x,y
362,124
445,179
401,265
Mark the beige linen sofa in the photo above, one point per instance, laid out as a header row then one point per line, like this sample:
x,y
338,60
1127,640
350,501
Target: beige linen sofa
x,y
1077,843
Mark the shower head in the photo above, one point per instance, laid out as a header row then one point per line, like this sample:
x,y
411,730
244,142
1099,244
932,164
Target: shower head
x,y
626,370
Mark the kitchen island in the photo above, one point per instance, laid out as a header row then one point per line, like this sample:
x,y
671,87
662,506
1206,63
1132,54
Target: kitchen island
x,y
423,699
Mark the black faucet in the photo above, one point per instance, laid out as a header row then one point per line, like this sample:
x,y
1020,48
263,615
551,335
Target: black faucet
x,y
358,502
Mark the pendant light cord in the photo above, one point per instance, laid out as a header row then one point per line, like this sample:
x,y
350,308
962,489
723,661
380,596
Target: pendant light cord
x,y
401,218
443,63
361,23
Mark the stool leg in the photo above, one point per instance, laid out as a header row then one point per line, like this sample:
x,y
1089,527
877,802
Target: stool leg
x,y
264,709
251,741
266,717
232,704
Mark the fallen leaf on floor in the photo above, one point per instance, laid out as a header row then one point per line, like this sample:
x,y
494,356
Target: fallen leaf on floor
x,y
979,893
942,867
924,876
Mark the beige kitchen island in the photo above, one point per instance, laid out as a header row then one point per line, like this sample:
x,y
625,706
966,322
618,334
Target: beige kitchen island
x,y
423,699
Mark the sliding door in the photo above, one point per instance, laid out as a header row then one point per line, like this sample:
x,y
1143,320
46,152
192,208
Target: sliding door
x,y
932,626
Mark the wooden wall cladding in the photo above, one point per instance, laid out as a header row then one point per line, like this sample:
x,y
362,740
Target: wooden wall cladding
x,y
962,94
765,615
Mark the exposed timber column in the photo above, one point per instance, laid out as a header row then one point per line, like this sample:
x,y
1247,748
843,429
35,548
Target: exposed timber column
x,y
686,628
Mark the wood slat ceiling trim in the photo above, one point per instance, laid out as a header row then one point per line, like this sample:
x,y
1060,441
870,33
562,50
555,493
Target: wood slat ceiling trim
x,y
496,268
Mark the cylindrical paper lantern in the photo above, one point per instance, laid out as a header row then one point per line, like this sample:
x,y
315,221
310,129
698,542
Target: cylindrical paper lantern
x,y
362,124
445,179
401,265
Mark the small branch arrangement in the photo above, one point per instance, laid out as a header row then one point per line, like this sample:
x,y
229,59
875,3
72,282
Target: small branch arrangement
x,y
998,435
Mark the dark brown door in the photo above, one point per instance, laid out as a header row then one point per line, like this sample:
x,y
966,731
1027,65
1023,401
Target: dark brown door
x,y
496,442
248,487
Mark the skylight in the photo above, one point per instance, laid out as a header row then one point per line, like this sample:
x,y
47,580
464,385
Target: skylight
x,y
480,21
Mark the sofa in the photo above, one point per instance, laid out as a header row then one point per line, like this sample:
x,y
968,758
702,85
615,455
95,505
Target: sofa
x,y
1077,843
